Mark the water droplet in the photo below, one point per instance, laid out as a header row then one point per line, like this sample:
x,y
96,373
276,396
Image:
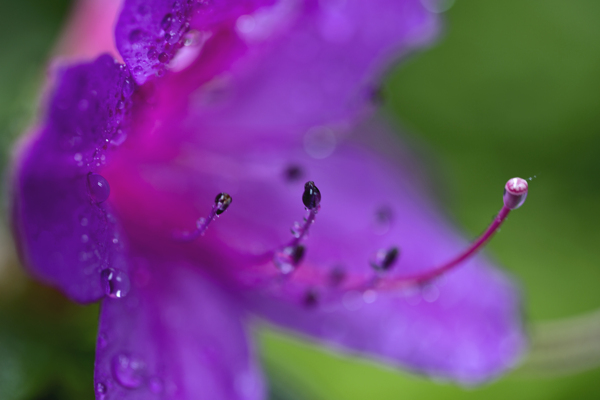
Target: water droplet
x,y
136,35
222,202
120,105
128,370
138,69
296,229
165,24
311,196
85,238
163,57
100,388
99,188
115,283
382,220
288,259
152,54
77,157
385,259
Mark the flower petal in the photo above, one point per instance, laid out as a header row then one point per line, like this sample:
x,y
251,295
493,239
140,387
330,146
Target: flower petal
x,y
315,62
465,326
176,336
66,233
149,33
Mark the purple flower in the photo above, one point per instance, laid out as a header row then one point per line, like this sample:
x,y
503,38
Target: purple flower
x,y
266,106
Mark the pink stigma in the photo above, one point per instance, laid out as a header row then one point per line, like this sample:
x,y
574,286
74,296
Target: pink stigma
x,y
515,193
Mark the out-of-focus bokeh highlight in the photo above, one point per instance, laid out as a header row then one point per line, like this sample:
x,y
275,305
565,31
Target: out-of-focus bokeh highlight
x,y
512,88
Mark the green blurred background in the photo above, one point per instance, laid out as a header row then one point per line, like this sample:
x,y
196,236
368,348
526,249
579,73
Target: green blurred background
x,y
512,88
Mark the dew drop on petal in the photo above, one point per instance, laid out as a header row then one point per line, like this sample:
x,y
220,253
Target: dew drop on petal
x,y
115,283
128,370
128,87
99,188
163,57
165,24
100,388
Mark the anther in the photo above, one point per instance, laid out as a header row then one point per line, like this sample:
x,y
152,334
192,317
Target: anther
x,y
222,202
515,193
311,298
288,259
311,196
385,259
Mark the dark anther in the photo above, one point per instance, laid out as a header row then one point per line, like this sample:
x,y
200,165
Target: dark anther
x,y
222,201
297,254
337,276
385,259
311,196
293,173
311,298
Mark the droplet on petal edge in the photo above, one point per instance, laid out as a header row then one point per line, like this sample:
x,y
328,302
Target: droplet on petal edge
x,y
115,283
128,370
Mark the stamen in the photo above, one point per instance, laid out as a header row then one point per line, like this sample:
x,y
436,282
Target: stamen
x,y
514,197
311,196
290,256
222,202
341,281
385,259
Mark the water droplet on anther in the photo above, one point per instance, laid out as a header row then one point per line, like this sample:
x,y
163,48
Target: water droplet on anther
x,y
385,259
222,201
296,230
99,188
128,370
515,193
288,259
115,283
311,196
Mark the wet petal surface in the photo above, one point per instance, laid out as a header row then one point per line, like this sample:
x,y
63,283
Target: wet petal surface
x,y
65,229
176,336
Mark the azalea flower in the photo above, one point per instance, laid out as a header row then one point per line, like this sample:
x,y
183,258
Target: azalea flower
x,y
165,186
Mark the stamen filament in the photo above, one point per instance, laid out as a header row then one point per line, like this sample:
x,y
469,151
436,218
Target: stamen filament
x,y
222,201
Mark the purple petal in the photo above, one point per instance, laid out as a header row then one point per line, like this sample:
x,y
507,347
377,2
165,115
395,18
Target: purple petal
x,y
149,33
176,336
315,63
465,326
65,230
